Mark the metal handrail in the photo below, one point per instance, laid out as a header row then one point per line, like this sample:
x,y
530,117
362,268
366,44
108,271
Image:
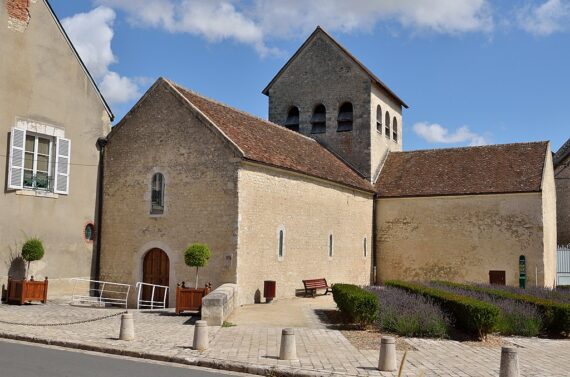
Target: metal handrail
x,y
96,295
152,303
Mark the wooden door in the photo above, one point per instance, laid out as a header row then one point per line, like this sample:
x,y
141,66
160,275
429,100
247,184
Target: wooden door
x,y
156,270
497,277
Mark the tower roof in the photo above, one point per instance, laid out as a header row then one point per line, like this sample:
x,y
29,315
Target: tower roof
x,y
320,31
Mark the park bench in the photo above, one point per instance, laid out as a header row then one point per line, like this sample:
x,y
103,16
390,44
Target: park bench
x,y
311,285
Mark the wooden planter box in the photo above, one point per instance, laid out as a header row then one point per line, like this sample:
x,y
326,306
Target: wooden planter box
x,y
22,291
190,299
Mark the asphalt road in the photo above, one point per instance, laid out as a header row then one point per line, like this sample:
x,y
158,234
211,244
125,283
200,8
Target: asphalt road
x,y
19,359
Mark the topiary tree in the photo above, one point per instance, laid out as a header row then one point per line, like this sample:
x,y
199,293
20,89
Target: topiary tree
x,y
32,250
197,255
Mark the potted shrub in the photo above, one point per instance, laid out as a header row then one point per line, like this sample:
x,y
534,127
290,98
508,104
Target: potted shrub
x,y
196,255
21,291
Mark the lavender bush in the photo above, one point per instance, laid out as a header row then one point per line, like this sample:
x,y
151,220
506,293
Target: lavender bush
x,y
558,295
408,314
516,318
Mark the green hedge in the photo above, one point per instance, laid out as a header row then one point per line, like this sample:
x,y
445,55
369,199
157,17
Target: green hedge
x,y
470,315
556,315
358,305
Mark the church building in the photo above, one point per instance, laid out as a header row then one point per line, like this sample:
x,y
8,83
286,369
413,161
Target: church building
x,y
320,190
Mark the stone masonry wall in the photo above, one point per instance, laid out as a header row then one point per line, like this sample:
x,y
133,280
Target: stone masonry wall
x,y
200,170
307,210
549,220
379,141
323,74
461,238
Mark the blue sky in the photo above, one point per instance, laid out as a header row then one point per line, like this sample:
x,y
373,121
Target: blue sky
x,y
472,71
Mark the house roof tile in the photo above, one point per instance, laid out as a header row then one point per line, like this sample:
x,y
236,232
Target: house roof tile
x,y
505,168
270,144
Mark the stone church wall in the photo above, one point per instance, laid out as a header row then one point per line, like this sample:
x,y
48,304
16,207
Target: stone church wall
x,y
462,238
308,211
200,171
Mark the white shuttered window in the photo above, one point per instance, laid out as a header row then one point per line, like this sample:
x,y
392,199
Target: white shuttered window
x,y
62,161
16,163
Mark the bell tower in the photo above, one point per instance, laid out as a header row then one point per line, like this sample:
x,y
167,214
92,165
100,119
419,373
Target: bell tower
x,y
325,93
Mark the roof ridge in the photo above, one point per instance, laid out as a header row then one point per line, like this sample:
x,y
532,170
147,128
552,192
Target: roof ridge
x,y
269,123
473,147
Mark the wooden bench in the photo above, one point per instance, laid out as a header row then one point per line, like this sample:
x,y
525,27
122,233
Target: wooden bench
x,y
313,284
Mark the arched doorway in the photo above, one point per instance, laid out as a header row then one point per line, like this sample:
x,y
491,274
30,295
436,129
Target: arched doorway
x,y
156,270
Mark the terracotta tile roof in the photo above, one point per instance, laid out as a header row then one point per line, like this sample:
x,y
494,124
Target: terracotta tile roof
x,y
506,168
270,144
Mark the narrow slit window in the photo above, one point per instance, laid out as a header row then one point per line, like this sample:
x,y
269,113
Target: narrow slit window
x,y
344,119
319,120
280,250
157,200
330,245
292,121
365,250
379,119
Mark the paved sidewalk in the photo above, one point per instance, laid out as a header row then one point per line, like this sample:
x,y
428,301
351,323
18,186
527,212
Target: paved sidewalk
x,y
254,349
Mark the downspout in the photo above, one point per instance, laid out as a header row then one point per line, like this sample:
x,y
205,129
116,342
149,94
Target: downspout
x,y
373,246
101,143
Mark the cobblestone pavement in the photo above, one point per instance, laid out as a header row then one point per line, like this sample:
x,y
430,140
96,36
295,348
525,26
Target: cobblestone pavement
x,y
165,336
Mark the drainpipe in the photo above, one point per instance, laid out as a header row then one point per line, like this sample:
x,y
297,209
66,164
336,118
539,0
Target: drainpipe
x,y
101,143
373,243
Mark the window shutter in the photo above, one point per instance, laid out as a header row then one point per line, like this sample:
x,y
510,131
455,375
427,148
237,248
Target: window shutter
x,y
16,164
62,160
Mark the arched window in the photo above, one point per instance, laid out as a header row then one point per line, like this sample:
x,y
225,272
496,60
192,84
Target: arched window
x,y
292,121
89,232
345,117
395,129
157,195
319,120
379,119
387,125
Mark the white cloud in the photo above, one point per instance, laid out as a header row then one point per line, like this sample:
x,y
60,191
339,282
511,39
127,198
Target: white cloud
x,y
118,89
215,20
286,18
91,34
256,21
435,133
550,17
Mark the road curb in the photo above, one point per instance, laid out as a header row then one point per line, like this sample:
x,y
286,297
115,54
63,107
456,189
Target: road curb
x,y
233,366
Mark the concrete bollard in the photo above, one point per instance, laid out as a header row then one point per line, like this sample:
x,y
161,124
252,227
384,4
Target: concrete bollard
x,y
288,349
387,359
127,331
200,336
509,362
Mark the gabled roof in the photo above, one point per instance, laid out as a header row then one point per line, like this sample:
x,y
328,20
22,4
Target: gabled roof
x,y
74,51
267,143
493,169
321,31
562,153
